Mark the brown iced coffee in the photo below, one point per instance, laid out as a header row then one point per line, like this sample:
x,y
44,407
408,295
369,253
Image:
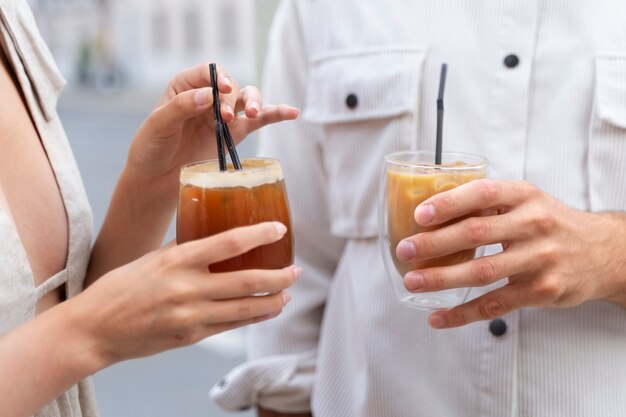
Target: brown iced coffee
x,y
211,202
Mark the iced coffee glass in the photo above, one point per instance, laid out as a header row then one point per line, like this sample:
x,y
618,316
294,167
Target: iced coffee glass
x,y
408,179
211,202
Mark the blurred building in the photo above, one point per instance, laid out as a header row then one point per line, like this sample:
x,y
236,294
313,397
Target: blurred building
x,y
142,43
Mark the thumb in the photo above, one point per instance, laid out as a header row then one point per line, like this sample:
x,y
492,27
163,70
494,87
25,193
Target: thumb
x,y
167,118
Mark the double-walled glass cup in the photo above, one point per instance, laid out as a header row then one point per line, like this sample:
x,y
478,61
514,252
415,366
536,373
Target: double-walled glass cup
x,y
408,179
212,202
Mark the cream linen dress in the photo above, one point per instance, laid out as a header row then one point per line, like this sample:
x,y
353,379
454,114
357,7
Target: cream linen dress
x,y
41,84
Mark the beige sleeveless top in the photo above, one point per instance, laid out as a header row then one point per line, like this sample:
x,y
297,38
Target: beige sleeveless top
x,y
41,84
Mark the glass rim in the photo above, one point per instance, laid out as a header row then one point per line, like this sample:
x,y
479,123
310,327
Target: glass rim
x,y
273,162
393,158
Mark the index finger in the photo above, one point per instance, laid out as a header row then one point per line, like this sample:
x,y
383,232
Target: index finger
x,y
200,76
467,199
203,252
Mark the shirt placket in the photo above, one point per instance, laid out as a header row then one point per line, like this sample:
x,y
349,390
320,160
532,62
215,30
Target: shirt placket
x,y
509,99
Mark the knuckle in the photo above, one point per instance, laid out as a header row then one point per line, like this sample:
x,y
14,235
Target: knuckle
x,y
530,190
547,254
491,309
180,292
485,272
178,103
174,85
244,311
476,230
171,258
445,201
285,278
183,318
543,222
278,302
549,289
251,284
232,244
488,190
424,243
458,316
154,119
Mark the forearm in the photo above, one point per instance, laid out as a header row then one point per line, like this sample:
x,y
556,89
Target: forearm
x,y
44,357
135,224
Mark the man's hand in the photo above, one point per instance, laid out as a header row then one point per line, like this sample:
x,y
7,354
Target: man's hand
x,y
553,256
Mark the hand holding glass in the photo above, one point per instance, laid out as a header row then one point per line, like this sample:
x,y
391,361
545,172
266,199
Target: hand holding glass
x,y
211,202
408,179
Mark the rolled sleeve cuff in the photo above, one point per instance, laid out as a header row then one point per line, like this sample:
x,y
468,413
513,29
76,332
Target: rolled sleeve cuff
x,y
278,383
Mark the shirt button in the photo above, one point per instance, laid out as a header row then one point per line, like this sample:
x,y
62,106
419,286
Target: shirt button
x,y
352,101
511,61
497,327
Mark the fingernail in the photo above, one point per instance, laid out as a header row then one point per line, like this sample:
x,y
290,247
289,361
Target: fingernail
x,y
405,251
202,96
281,229
228,109
255,106
297,271
226,80
413,281
286,298
425,214
437,321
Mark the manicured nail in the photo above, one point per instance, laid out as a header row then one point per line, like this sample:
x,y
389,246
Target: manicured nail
x,y
297,271
226,80
437,321
425,214
413,281
202,96
286,298
405,251
281,229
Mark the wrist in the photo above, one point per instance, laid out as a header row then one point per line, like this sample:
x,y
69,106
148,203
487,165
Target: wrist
x,y
83,351
615,260
148,189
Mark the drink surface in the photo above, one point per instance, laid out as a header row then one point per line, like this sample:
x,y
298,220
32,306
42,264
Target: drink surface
x,y
406,189
212,202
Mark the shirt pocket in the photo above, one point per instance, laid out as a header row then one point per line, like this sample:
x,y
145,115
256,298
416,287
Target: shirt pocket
x,y
607,145
366,103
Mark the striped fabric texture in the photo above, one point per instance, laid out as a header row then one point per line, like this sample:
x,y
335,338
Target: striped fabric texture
x,y
556,119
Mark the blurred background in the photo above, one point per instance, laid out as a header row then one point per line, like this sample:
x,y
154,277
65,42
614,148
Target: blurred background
x,y
118,56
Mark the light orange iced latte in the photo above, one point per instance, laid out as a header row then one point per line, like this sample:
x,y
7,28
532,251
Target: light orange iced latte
x,y
406,190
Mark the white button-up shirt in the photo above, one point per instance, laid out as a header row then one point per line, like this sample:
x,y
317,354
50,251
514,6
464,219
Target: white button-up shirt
x,y
556,119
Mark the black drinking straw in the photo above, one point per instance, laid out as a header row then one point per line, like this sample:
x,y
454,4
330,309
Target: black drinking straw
x,y
218,119
442,86
222,134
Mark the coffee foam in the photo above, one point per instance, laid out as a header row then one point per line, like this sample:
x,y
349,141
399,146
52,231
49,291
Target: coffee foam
x,y
255,172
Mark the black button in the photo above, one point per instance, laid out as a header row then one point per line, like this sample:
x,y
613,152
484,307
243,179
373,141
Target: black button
x,y
497,327
511,61
352,101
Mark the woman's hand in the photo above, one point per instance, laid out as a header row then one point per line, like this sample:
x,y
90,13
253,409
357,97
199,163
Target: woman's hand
x,y
553,256
181,129
168,298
